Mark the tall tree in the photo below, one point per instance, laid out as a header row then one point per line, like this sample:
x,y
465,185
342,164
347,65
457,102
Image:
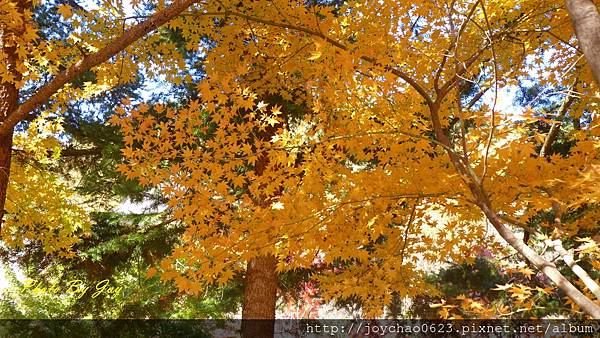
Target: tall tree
x,y
370,92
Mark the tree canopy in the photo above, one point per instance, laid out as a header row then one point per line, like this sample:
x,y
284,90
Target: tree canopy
x,y
367,142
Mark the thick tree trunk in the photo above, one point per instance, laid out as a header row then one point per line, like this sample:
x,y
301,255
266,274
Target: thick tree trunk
x,y
260,296
586,21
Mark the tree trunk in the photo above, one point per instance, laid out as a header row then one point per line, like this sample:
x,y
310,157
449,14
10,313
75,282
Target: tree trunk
x,y
260,296
5,155
586,21
260,284
8,103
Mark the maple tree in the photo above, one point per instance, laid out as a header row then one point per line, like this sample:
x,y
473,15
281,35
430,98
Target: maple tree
x,y
380,105
363,135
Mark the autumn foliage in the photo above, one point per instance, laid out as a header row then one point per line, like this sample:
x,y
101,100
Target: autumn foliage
x,y
376,138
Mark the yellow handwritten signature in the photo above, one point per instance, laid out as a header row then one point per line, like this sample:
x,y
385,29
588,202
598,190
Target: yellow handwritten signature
x,y
75,288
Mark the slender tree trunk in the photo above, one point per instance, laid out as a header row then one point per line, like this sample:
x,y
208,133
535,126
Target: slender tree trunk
x,y
8,103
260,296
474,183
548,268
586,21
555,128
557,245
572,264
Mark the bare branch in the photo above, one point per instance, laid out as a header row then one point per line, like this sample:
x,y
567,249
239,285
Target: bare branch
x,y
477,97
453,45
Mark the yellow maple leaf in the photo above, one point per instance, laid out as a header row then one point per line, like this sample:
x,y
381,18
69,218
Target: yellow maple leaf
x,y
65,11
317,53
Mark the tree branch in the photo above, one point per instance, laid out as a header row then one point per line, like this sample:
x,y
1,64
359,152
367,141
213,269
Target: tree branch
x,y
74,152
541,263
407,78
483,202
44,93
477,97
563,254
453,45
555,128
577,270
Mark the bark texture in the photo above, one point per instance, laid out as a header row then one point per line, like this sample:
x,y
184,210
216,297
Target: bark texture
x,y
260,295
586,21
7,100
